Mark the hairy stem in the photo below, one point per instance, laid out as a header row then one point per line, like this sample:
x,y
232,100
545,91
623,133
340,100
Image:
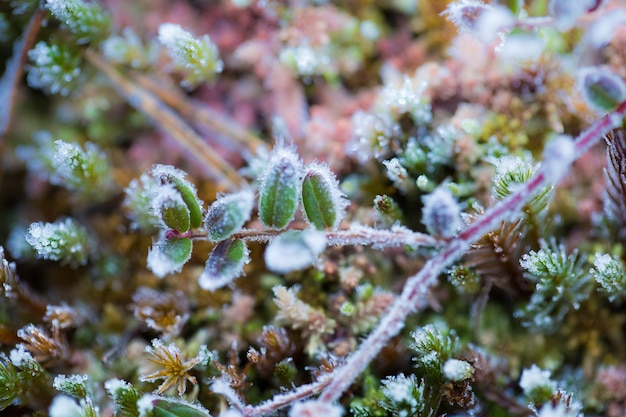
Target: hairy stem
x,y
417,286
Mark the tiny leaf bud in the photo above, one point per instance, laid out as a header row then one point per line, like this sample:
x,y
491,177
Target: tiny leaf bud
x,y
441,213
228,214
224,264
602,89
279,189
322,201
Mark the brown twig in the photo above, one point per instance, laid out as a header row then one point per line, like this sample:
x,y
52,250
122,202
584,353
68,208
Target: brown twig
x,y
14,70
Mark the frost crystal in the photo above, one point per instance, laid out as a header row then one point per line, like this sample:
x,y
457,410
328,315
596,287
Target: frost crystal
x,y
534,380
294,250
20,357
457,370
609,272
304,60
567,12
64,240
197,58
404,395
65,406
441,213
315,408
465,14
55,68
85,20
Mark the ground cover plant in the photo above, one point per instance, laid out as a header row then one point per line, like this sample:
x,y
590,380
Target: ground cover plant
x,y
375,208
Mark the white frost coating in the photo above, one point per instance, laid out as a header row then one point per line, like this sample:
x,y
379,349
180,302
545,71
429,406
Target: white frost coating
x,y
145,405
65,382
457,370
199,57
211,279
561,410
400,391
492,22
219,386
340,202
294,250
567,12
165,196
315,408
65,406
304,60
464,13
20,357
534,378
604,28
159,263
441,213
558,155
521,48
114,386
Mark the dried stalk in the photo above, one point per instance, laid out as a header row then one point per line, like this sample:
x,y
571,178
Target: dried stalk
x,y
226,177
201,115
14,70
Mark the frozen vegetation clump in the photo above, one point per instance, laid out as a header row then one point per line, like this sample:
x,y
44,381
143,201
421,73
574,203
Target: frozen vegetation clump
x,y
241,208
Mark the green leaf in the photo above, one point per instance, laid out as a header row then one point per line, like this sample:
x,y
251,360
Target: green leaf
x,y
228,214
175,215
156,406
279,189
318,200
225,263
189,197
169,255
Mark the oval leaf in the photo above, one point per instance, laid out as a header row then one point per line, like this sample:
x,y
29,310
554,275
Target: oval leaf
x,y
322,201
279,189
228,214
169,255
224,264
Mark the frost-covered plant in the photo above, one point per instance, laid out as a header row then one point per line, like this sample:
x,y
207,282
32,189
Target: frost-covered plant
x,y
425,142
64,240
56,67
197,59
561,283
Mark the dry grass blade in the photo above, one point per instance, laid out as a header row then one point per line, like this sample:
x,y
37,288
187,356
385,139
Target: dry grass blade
x,y
226,177
200,115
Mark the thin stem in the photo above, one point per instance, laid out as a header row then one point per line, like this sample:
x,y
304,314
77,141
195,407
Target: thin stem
x,y
169,121
356,235
14,69
416,287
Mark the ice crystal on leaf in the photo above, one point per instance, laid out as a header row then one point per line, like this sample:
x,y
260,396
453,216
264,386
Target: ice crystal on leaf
x,y
64,240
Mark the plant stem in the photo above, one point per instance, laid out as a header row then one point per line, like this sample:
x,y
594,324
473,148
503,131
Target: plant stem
x,y
417,286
